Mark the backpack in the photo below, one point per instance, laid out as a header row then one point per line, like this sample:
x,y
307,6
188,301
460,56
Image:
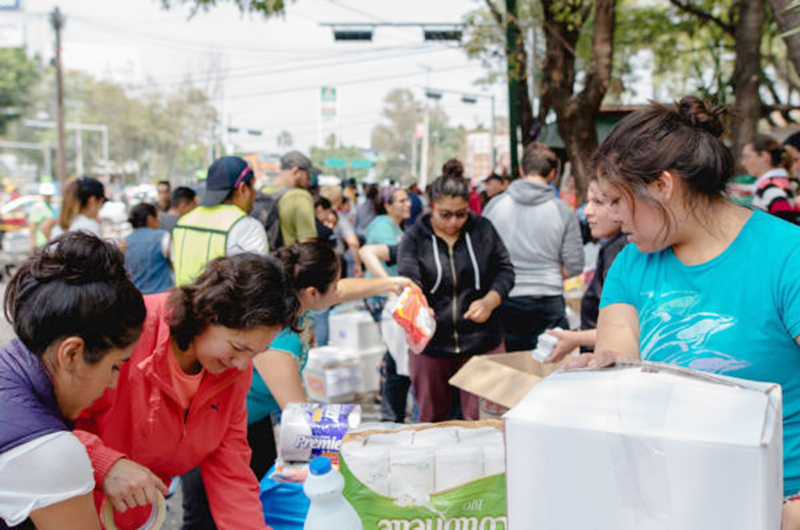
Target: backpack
x,y
265,209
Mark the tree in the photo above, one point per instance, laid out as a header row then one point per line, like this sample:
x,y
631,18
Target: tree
x,y
576,112
264,7
742,21
285,139
163,134
575,98
18,74
394,138
787,15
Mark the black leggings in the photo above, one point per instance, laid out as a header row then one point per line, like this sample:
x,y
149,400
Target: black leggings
x,y
196,512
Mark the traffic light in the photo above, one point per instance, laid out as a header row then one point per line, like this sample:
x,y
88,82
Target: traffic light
x,y
340,34
449,34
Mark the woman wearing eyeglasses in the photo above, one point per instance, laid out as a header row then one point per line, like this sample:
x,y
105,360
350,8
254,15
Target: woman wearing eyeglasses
x,y
465,272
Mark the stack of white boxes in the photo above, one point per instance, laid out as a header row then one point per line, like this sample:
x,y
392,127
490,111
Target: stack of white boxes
x,y
357,334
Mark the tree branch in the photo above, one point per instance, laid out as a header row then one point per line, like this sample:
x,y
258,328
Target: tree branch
x,y
496,14
783,72
704,16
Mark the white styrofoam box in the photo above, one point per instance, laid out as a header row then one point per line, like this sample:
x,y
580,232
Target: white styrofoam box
x,y
332,375
370,362
646,447
354,330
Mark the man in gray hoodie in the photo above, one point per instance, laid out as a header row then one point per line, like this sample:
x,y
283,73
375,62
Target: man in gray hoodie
x,y
543,237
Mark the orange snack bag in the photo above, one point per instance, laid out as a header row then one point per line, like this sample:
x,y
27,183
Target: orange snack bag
x,y
413,314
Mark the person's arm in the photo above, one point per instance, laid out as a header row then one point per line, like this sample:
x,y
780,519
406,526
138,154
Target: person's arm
x,y
349,289
32,233
354,244
126,483
407,259
568,340
231,485
617,337
500,265
572,257
504,276
791,514
47,225
281,374
76,513
481,309
247,235
373,257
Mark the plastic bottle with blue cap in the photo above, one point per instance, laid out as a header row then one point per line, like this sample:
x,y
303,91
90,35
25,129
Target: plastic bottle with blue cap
x,y
329,509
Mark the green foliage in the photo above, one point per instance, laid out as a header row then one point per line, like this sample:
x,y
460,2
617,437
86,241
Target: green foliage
x,y
394,138
164,134
266,8
18,74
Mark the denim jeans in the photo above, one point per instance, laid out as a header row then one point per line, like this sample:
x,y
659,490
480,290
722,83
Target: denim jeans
x,y
526,317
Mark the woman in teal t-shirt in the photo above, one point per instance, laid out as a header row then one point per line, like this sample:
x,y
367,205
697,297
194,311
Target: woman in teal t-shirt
x,y
706,284
387,228
314,273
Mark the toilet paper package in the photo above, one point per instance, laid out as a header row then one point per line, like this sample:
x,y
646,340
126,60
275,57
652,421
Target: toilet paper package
x,y
427,476
309,430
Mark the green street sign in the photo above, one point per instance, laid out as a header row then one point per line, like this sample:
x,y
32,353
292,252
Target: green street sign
x,y
335,162
361,164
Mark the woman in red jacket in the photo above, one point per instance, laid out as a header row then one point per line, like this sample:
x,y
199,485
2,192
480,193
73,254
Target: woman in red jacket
x,y
180,401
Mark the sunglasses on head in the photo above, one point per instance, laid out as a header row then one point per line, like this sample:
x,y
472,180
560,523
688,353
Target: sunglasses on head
x,y
447,214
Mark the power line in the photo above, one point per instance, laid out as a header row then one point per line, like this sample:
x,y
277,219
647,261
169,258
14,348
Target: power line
x,y
345,83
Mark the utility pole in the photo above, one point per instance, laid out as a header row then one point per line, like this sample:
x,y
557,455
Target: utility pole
x,y
423,179
512,37
57,20
423,170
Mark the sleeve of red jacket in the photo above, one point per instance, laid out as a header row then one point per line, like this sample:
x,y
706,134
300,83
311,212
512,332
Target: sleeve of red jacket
x,y
232,487
102,456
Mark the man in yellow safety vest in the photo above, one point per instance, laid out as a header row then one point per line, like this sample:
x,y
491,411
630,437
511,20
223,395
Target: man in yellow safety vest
x,y
220,226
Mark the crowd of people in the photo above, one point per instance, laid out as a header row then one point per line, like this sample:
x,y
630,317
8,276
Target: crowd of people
x,y
168,354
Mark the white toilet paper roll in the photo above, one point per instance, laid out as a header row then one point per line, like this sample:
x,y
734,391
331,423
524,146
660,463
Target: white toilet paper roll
x,y
465,435
391,438
369,464
436,437
494,459
411,476
458,464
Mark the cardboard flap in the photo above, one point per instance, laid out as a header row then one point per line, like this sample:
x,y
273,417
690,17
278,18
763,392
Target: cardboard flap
x,y
501,378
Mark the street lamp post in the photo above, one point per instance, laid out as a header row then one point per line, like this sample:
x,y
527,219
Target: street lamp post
x,y
436,93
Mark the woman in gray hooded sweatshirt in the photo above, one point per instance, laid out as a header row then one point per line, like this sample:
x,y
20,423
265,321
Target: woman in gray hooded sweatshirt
x,y
543,238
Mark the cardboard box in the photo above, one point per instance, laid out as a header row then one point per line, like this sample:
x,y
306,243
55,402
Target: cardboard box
x,y
332,375
646,447
354,330
501,380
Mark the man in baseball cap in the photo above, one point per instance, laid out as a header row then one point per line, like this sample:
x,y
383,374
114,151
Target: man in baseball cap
x,y
220,226
295,204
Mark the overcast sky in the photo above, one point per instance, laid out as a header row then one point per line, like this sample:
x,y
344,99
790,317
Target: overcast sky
x,y
272,70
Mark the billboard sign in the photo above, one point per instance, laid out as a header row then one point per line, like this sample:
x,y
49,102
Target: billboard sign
x,y
328,100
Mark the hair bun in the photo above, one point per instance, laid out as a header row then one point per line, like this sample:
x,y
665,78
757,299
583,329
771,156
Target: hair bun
x,y
694,112
79,258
